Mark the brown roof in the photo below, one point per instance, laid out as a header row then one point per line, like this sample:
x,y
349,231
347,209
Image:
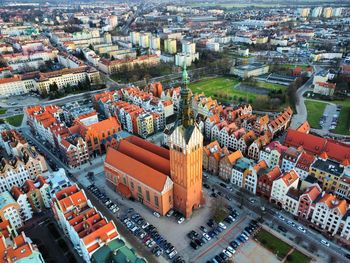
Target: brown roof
x,y
144,156
136,169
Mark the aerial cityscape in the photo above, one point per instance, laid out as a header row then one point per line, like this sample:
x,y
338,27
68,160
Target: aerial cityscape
x,y
186,131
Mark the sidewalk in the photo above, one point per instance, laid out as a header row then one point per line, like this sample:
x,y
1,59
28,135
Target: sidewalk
x,y
289,242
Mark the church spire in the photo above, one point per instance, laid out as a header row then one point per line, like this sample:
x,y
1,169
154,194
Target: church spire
x,y
185,112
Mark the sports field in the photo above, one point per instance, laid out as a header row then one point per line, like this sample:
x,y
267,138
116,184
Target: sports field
x,y
220,88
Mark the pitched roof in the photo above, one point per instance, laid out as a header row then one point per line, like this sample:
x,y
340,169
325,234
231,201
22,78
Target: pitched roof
x,y
144,156
233,157
136,169
289,177
333,203
317,145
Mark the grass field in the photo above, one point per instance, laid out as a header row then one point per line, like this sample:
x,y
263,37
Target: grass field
x,y
343,121
297,257
15,120
272,243
315,111
2,111
270,86
221,88
292,66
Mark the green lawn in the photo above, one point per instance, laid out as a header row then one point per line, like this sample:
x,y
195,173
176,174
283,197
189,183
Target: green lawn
x,y
315,111
15,120
2,111
297,257
272,243
293,66
220,88
343,121
270,86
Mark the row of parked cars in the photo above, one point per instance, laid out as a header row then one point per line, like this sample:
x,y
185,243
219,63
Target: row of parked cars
x,y
203,236
291,223
150,237
230,250
103,198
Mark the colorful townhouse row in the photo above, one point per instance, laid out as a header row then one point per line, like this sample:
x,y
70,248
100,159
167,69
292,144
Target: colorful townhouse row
x,y
312,181
93,236
139,112
78,143
17,247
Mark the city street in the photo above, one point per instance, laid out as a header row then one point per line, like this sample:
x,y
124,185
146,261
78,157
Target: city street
x,y
178,237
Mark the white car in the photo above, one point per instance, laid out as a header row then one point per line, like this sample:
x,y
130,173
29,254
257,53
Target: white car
x,y
222,225
156,214
180,221
281,217
115,210
206,236
252,200
324,242
146,224
227,253
300,228
172,254
232,218
231,250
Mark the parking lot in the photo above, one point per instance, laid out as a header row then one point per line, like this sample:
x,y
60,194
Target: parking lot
x,y
165,234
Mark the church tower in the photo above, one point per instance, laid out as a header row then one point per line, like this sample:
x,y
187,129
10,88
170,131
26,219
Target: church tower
x,y
186,146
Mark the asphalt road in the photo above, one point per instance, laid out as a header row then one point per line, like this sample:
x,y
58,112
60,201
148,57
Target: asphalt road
x,y
271,216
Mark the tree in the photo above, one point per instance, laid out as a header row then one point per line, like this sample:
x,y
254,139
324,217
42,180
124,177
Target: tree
x,y
313,248
53,87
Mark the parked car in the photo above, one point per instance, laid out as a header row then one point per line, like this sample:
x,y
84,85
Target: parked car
x,y
300,228
324,242
222,225
180,221
156,214
283,229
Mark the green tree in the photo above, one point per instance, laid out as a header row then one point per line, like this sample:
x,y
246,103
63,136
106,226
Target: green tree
x,y
53,87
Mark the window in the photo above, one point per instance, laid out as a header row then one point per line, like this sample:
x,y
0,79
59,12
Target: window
x,y
132,185
170,199
139,189
156,201
147,196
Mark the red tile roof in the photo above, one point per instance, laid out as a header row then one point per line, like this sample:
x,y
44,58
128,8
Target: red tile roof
x,y
136,169
317,145
144,155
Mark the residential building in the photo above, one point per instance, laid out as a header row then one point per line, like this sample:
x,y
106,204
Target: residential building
x,y
265,181
12,173
82,223
212,154
328,213
290,158
116,251
291,203
22,200
281,186
306,199
240,170
19,249
226,164
272,153
10,210
317,145
250,180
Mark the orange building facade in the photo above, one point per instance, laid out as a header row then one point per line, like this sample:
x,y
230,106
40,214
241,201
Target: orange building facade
x,y
159,178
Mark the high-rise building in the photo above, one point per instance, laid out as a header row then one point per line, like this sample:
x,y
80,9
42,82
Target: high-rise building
x,y
304,12
170,46
316,12
186,148
327,12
